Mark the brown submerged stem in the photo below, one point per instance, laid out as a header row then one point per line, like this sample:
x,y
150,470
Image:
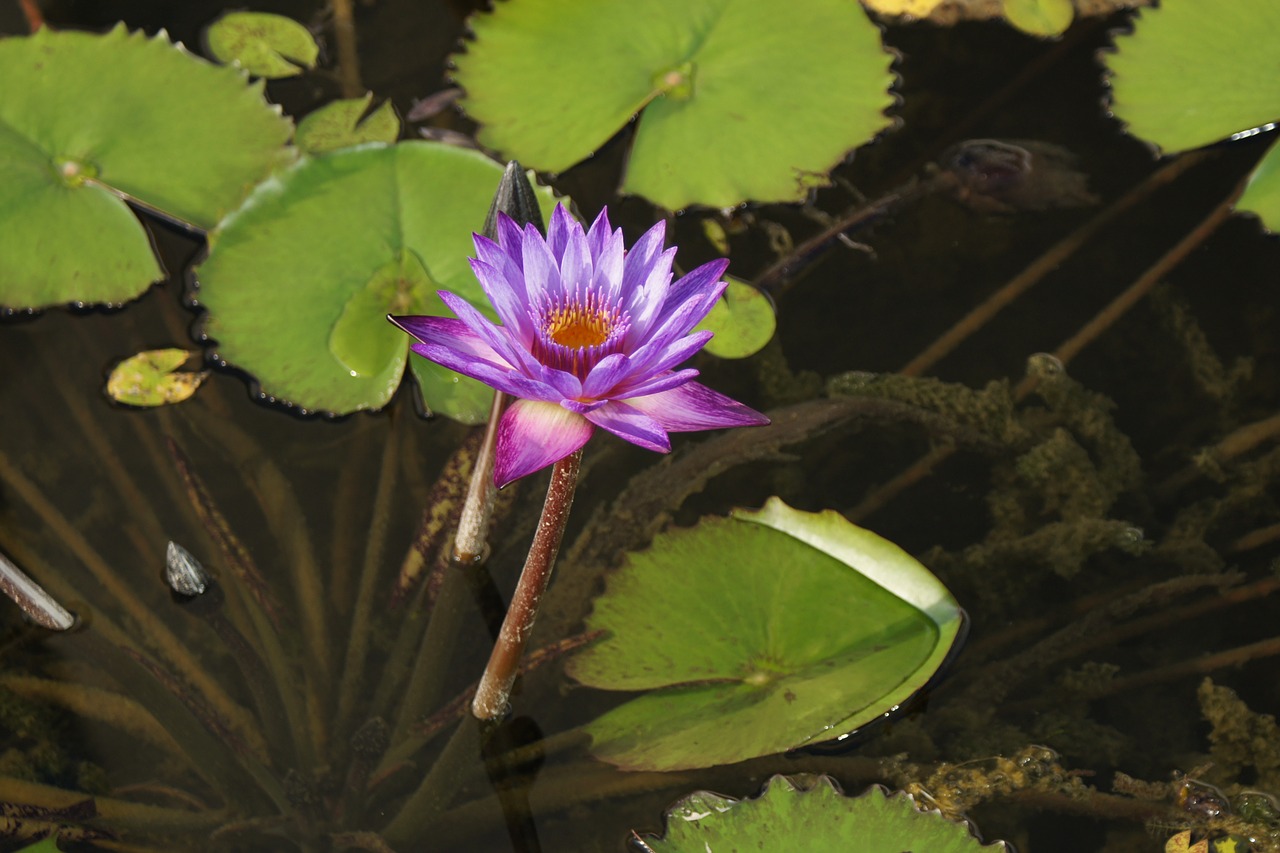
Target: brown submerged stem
x,y
495,685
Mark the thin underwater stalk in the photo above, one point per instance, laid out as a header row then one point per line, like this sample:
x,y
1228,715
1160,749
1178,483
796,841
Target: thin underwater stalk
x,y
353,669
155,633
344,31
1065,351
500,674
438,787
38,605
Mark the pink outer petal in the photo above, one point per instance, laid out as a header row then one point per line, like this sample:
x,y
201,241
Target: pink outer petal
x,y
632,424
532,435
693,406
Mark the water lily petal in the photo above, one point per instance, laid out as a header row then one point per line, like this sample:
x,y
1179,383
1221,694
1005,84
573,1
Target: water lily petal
x,y
451,333
654,384
505,379
575,263
704,278
541,269
511,238
693,406
532,435
659,355
506,296
641,259
611,370
558,231
676,323
629,422
498,338
646,301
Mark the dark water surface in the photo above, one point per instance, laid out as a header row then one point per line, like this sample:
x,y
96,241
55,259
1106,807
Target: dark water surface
x,y
927,266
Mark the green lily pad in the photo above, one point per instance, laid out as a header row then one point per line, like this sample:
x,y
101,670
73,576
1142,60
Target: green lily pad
x,y
342,124
299,280
760,633
151,379
263,44
1194,73
804,813
89,120
743,321
724,86
1040,17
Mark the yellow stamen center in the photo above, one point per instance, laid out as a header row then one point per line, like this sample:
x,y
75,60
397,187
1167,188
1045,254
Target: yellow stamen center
x,y
579,326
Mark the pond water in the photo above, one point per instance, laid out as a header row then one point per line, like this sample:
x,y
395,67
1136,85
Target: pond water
x,y
1082,638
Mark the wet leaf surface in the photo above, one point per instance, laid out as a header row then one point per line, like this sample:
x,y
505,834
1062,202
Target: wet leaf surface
x,y
344,123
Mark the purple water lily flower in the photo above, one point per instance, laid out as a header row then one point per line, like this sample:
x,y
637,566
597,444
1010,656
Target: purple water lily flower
x,y
590,337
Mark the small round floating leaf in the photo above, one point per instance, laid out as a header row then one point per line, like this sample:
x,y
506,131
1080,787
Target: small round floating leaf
x,y
1194,73
263,44
810,813
299,280
760,633
743,321
151,379
723,85
1040,17
87,120
343,124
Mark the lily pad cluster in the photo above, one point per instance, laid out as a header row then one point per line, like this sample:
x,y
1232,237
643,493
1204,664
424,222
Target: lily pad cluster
x,y
760,633
1190,74
810,813
91,122
737,99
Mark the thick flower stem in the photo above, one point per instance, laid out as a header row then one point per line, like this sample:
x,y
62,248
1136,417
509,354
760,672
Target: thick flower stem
x,y
500,674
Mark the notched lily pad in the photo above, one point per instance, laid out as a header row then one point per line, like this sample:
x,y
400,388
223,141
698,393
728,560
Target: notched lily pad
x,y
344,123
721,86
743,321
151,378
263,44
759,633
299,280
810,813
1190,74
88,121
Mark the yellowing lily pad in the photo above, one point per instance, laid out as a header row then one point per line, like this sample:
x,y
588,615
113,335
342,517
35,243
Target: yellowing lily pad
x,y
743,321
87,121
150,378
807,813
760,633
263,44
344,123
722,87
1040,17
298,282
1194,73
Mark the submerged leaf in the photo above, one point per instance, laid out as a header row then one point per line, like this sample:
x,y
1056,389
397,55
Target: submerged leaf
x,y
743,321
88,120
723,85
263,44
298,282
149,378
760,633
342,124
811,813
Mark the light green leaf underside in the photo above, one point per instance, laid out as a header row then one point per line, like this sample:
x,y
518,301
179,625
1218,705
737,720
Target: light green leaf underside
x,y
299,281
88,118
263,44
743,321
1192,73
340,125
808,814
1040,17
723,84
767,630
